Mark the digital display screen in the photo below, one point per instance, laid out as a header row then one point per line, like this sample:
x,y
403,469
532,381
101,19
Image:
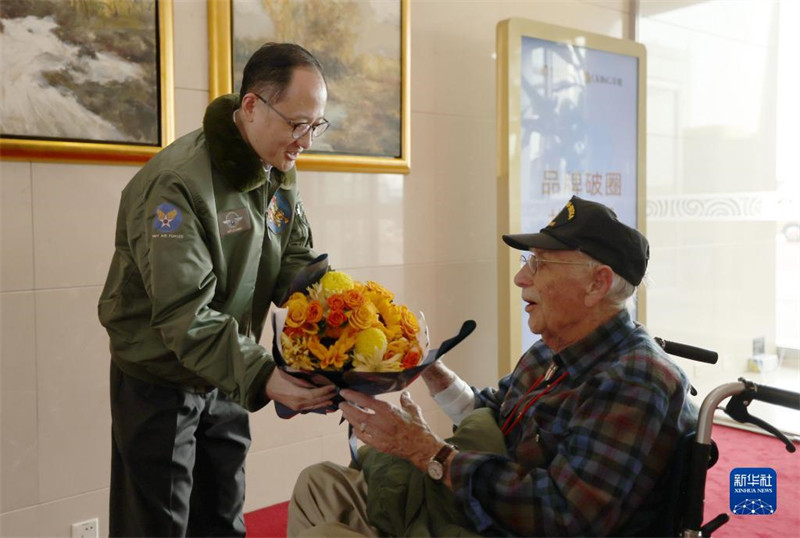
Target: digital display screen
x,y
578,133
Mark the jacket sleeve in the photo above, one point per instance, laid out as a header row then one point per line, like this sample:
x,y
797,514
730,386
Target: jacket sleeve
x,y
176,266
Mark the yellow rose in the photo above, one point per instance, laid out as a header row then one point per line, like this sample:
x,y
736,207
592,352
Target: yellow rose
x,y
297,307
408,322
364,316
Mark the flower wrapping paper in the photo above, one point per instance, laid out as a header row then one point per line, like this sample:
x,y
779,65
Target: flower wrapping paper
x,y
367,382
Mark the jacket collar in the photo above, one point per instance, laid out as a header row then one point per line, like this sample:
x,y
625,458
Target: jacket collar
x,y
230,154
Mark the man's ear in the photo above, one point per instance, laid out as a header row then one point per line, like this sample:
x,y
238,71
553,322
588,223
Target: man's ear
x,y
248,104
598,286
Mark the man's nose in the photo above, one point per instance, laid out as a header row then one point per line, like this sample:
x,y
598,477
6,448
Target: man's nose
x,y
306,140
523,278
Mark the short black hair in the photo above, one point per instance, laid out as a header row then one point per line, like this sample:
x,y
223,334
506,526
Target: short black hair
x,y
271,67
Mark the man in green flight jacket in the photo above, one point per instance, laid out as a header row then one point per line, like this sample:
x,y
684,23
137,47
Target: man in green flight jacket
x,y
209,233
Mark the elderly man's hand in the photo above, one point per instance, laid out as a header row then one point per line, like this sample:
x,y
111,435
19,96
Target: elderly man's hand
x,y
400,431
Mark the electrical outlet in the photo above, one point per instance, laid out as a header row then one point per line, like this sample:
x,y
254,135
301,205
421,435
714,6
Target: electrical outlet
x,y
85,529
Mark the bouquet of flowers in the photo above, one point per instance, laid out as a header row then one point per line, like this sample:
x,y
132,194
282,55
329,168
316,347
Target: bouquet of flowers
x,y
332,329
339,324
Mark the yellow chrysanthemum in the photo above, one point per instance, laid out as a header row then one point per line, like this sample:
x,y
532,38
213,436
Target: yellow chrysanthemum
x,y
335,282
371,342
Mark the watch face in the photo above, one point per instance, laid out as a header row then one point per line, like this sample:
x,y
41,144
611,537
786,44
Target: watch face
x,y
435,470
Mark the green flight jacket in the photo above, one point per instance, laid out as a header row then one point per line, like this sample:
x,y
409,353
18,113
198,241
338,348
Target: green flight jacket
x,y
204,243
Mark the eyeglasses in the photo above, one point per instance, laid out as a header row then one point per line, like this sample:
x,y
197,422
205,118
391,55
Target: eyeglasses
x,y
532,262
299,129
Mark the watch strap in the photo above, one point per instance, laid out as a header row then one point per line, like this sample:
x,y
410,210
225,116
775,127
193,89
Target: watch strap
x,y
443,453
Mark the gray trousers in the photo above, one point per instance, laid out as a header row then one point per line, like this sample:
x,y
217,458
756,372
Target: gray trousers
x,y
177,461
329,500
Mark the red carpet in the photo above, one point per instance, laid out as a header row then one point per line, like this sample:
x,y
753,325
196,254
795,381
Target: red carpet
x,y
737,448
269,522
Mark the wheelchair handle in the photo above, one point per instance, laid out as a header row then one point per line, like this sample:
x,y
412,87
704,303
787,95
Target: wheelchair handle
x,y
688,352
775,396
705,418
748,391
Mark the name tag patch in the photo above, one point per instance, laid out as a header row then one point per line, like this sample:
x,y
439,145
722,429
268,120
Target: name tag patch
x,y
233,221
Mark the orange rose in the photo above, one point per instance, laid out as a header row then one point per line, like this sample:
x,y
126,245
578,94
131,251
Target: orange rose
x,y
293,331
314,312
411,358
335,318
336,301
354,298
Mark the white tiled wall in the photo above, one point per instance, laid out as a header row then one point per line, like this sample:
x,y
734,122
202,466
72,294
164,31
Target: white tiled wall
x,y
430,236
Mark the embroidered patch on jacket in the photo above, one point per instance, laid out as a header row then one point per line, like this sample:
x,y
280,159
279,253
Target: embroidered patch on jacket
x,y
167,219
233,220
279,213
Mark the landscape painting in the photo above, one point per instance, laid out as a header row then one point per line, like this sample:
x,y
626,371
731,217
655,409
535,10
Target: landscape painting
x,y
83,79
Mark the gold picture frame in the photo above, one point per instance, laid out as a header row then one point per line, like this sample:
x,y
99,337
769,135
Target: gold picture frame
x,y
78,149
396,160
550,109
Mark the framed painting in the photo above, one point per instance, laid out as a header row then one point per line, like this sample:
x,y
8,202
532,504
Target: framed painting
x,y
86,80
571,121
364,48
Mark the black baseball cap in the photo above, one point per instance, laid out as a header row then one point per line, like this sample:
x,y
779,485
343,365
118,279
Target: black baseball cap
x,y
594,229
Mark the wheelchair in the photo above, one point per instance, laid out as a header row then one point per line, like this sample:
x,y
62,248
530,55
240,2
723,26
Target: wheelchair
x,y
685,479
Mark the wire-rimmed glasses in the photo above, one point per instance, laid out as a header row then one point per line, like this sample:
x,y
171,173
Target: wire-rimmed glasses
x,y
299,129
530,260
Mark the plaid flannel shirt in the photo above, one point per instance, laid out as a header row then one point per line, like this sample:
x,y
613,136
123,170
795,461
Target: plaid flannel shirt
x,y
586,454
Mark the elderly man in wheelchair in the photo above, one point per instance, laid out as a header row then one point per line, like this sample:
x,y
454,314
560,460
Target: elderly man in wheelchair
x,y
573,442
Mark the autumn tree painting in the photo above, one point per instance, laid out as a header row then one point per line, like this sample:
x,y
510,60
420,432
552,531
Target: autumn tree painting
x,y
358,43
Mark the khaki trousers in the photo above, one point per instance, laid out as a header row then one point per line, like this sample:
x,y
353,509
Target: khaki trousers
x,y
329,500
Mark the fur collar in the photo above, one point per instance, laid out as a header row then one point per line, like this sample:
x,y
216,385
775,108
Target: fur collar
x,y
229,152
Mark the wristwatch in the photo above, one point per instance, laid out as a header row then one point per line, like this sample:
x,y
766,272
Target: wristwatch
x,y
436,464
